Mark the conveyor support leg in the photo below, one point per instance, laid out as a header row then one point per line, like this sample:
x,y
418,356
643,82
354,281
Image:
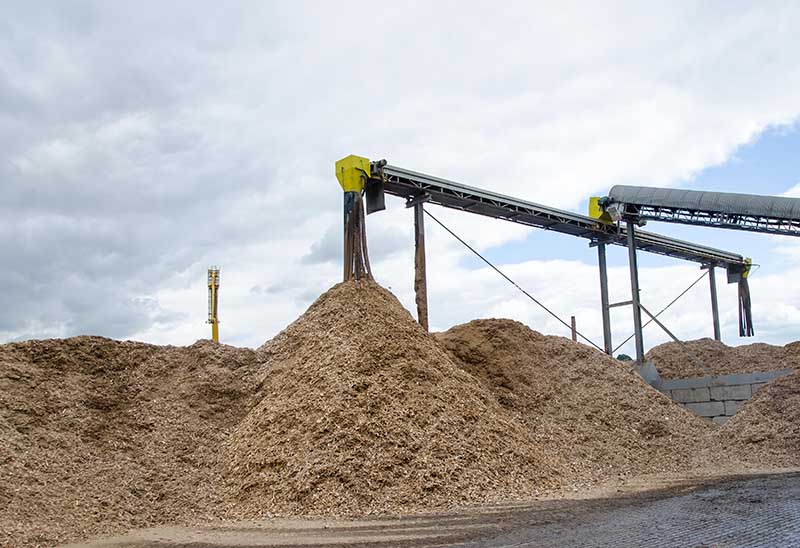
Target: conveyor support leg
x,y
637,311
601,259
712,280
420,274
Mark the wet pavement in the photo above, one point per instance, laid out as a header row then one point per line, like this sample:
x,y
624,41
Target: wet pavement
x,y
756,513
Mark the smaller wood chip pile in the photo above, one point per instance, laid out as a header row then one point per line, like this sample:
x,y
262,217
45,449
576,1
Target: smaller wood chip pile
x,y
716,358
766,431
592,413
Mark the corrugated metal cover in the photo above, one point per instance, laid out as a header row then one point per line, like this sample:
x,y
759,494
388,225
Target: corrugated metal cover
x,y
718,202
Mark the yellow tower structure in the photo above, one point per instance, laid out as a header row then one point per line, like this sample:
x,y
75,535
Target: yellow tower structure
x,y
353,173
213,302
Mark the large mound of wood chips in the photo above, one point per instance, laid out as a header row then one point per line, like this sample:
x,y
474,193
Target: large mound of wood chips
x,y
99,436
703,357
361,411
353,409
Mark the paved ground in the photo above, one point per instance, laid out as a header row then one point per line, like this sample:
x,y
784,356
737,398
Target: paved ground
x,y
753,512
762,512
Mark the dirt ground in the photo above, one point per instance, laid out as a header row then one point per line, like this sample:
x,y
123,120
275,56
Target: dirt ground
x,y
725,512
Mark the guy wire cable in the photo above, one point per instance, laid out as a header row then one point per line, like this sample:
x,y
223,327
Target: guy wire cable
x,y
512,282
703,275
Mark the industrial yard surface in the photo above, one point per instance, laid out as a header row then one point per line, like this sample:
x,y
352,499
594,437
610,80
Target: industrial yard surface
x,y
330,420
754,512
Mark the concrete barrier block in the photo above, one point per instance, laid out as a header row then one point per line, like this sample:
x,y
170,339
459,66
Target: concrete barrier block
x,y
750,378
735,392
707,409
649,373
691,395
731,407
723,380
756,386
720,420
675,384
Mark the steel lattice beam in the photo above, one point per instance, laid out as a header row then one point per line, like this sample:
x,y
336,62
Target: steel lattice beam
x,y
412,185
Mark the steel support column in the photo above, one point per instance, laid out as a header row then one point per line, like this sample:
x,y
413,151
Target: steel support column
x,y
637,311
420,275
601,260
712,280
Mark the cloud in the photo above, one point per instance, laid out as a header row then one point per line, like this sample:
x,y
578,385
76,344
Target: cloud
x,y
793,192
384,240
786,247
140,143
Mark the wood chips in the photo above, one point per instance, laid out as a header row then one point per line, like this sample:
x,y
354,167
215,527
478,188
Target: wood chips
x,y
361,411
766,431
703,357
591,413
352,410
99,436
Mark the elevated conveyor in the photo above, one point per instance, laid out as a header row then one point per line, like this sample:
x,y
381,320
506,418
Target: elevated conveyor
x,y
418,188
412,185
751,212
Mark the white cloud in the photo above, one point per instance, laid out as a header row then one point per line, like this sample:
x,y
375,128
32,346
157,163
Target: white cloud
x,y
787,249
142,143
793,192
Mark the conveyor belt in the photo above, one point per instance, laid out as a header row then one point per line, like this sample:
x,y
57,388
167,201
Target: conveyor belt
x,y
410,185
751,212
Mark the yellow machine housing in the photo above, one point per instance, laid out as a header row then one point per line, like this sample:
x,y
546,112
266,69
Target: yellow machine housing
x,y
352,172
749,262
597,212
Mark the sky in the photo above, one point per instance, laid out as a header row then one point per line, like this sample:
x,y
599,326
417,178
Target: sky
x,y
142,142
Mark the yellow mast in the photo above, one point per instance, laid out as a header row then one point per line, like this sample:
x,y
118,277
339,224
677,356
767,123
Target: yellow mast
x,y
213,302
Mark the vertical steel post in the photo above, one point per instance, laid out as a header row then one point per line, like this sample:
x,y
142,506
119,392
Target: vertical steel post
x,y
601,260
348,204
712,280
637,311
420,276
213,302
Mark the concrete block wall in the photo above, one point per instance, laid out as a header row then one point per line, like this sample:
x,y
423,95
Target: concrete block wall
x,y
718,397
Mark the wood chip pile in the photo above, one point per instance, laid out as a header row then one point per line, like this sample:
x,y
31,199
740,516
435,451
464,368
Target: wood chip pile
x,y
591,413
766,431
362,411
703,357
353,409
98,436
